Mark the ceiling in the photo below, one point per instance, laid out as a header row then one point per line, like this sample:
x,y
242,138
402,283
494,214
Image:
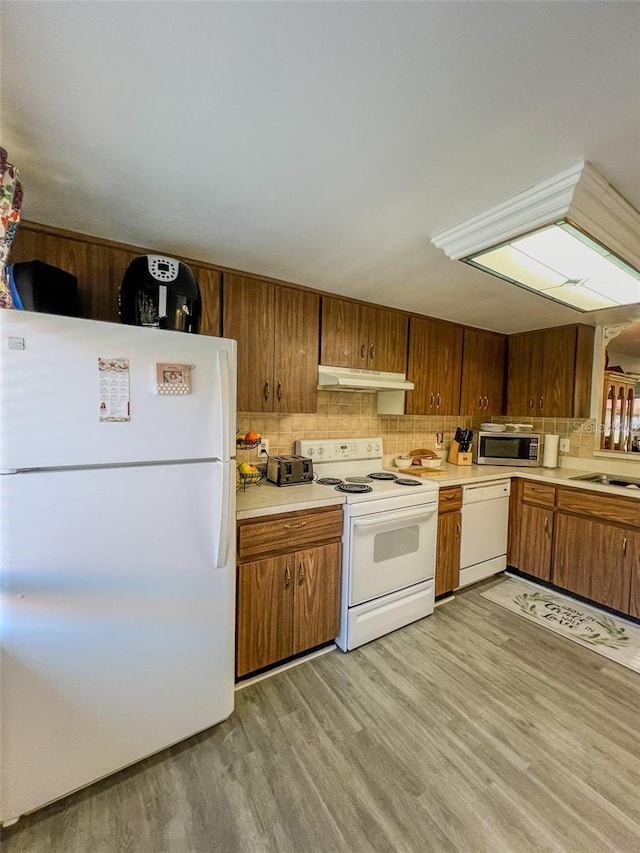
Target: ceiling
x,y
319,143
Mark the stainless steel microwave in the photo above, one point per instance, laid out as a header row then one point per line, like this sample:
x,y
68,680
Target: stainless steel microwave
x,y
507,448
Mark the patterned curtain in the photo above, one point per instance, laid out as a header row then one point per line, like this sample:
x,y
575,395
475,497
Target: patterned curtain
x,y
10,201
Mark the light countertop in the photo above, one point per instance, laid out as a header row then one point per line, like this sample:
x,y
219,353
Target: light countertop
x,y
267,499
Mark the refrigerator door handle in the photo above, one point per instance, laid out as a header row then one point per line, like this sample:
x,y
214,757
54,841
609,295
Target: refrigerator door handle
x,y
222,364
226,518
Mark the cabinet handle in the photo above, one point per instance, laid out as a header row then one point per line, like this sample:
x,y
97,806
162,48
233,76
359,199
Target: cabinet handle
x,y
531,402
486,402
431,399
546,524
458,528
624,546
295,526
439,400
540,402
301,573
538,489
363,351
287,577
279,391
480,402
448,497
267,390
372,352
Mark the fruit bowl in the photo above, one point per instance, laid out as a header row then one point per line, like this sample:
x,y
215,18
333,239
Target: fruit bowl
x,y
248,479
243,444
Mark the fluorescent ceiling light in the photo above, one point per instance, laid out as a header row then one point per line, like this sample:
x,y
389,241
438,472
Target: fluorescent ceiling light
x,y
572,239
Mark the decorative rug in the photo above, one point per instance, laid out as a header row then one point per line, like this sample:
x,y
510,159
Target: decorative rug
x,y
610,636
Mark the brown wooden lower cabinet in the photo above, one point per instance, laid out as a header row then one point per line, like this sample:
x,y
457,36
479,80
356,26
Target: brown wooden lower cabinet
x,y
287,604
288,595
448,547
535,536
531,522
633,554
591,559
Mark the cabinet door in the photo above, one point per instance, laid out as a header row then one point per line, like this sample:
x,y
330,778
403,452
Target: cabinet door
x,y
534,541
633,557
344,339
556,351
448,552
523,375
483,369
295,375
387,333
264,612
209,284
249,319
316,596
435,367
589,559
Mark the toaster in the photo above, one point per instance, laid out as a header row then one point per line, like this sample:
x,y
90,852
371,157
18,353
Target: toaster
x,y
289,470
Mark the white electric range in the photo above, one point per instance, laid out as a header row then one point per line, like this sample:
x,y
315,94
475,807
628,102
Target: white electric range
x,y
389,538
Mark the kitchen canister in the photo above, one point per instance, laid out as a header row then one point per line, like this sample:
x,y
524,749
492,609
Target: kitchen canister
x,y
550,453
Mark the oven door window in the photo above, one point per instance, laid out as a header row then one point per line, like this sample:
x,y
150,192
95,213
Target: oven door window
x,y
390,551
393,544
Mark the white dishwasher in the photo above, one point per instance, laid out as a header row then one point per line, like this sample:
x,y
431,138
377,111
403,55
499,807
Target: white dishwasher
x,y
483,543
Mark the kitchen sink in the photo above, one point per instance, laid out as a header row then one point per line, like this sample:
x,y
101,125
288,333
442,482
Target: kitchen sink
x,y
610,480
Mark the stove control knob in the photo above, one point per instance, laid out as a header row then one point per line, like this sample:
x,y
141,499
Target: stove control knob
x,y
310,451
368,448
320,451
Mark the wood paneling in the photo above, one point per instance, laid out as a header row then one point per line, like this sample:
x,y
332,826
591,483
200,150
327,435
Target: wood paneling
x,y
316,610
483,373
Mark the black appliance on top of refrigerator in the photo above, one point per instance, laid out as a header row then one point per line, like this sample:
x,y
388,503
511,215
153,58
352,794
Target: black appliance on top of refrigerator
x,y
161,292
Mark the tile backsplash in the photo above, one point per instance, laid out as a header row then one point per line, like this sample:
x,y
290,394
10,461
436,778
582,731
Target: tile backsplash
x,y
343,414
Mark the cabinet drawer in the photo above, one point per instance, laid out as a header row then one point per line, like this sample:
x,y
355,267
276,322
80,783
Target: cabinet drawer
x,y
538,493
450,499
605,507
288,532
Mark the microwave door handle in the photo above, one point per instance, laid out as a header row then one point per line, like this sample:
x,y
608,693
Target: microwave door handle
x,y
399,515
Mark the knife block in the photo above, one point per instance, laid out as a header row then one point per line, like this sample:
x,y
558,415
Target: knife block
x,y
456,457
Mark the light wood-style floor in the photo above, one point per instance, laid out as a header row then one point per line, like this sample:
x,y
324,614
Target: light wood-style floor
x,y
472,730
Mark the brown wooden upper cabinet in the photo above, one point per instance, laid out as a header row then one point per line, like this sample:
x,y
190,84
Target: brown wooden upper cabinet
x,y
549,372
483,372
435,367
365,336
277,330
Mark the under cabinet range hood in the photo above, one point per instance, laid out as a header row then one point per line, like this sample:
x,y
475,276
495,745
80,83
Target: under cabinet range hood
x,y
572,239
390,387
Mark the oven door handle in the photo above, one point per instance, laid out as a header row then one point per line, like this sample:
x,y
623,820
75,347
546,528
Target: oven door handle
x,y
395,515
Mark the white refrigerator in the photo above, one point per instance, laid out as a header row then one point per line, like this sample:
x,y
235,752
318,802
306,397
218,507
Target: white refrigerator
x,y
117,547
